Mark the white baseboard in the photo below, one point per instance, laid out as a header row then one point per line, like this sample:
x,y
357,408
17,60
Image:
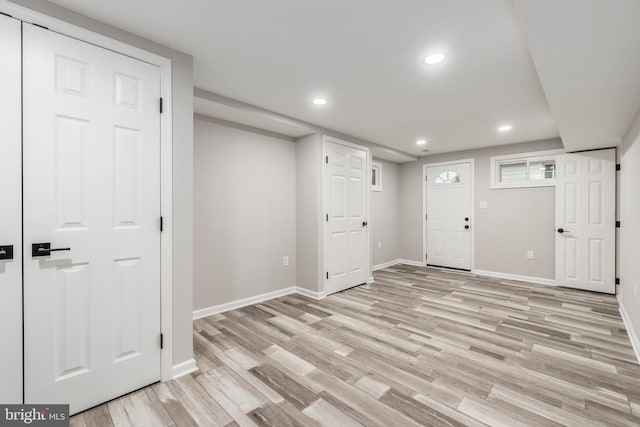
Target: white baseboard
x,y
183,368
537,280
385,265
310,294
633,335
410,262
221,308
204,312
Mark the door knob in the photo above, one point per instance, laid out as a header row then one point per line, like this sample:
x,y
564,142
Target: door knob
x,y
562,230
466,218
466,227
44,249
365,223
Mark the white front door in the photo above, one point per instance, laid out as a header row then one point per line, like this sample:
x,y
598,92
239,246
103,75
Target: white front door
x,y
449,216
91,191
346,192
10,214
585,220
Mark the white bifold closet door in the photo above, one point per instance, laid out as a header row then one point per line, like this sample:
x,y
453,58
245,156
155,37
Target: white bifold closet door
x,y
91,189
10,214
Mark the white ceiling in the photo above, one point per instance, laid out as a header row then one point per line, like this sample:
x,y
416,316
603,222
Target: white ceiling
x,y
366,58
587,54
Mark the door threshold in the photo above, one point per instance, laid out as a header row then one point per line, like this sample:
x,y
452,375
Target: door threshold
x,y
442,267
349,288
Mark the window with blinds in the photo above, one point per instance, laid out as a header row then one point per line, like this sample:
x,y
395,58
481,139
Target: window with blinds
x,y
524,170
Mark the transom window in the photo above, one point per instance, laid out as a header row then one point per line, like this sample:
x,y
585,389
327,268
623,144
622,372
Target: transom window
x,y
448,177
524,170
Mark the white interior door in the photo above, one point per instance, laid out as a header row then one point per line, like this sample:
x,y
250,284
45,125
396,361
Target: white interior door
x,y
10,213
585,220
346,230
92,185
449,216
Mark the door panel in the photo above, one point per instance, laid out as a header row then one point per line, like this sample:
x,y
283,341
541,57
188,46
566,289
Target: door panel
x,y
585,211
11,216
346,238
91,184
448,204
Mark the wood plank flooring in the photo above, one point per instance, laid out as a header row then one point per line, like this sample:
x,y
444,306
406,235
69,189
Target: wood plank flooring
x,y
419,347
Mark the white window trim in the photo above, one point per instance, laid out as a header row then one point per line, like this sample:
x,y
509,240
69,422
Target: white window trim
x,y
525,157
378,167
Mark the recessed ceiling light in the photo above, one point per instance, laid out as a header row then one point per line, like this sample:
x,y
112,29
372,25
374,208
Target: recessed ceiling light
x,y
421,142
319,101
435,58
505,128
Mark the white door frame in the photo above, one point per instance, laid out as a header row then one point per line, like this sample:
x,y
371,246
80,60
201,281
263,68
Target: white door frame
x,y
323,230
473,206
166,161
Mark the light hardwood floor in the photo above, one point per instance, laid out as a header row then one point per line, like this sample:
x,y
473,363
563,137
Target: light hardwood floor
x,y
417,347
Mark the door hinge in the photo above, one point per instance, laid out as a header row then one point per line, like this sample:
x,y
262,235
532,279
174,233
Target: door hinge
x,y
161,224
617,280
327,274
161,341
160,105
617,224
618,167
425,217
327,216
326,159
426,256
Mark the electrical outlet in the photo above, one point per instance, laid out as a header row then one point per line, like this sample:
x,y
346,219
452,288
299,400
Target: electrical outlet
x,y
285,261
379,244
529,254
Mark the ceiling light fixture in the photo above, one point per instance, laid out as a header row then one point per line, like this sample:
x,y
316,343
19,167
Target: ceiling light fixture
x,y
435,58
319,101
421,142
505,128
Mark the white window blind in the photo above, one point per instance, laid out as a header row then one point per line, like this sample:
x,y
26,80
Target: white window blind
x,y
513,172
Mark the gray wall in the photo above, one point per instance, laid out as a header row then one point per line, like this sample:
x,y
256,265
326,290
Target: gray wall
x,y
245,210
182,91
309,212
385,212
630,229
516,220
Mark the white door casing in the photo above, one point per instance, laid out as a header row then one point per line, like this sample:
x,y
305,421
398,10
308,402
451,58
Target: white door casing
x,y
346,201
585,213
10,212
91,184
448,215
